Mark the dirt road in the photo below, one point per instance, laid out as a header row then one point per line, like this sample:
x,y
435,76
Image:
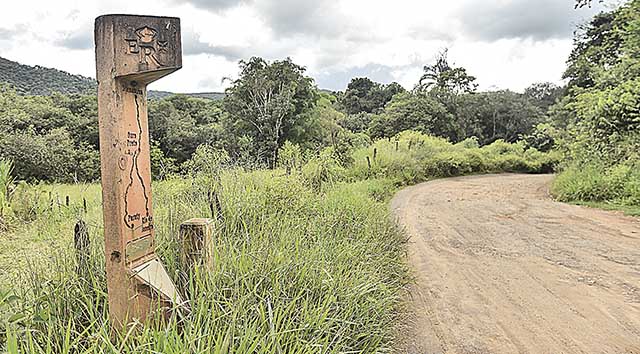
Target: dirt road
x,y
501,268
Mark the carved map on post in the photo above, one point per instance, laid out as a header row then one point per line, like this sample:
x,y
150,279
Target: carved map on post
x,y
138,214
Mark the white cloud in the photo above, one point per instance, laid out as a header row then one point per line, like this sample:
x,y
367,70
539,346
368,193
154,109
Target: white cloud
x,y
505,43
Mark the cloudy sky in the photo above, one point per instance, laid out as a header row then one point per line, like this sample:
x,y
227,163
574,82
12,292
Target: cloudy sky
x,y
504,43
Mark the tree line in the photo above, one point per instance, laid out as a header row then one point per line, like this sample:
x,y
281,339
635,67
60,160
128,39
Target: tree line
x,y
55,138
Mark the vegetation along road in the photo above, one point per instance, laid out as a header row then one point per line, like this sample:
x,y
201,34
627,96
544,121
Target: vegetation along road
x,y
502,268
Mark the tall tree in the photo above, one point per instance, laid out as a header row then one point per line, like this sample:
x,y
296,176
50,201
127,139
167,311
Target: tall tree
x,y
364,95
442,76
543,94
268,100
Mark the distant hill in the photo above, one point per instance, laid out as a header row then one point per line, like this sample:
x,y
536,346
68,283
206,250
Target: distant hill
x,y
38,80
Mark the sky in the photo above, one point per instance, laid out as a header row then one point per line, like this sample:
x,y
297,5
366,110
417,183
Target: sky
x,y
506,44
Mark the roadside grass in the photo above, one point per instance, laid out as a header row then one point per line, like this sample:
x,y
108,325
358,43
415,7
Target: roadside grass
x,y
305,262
295,272
415,157
600,185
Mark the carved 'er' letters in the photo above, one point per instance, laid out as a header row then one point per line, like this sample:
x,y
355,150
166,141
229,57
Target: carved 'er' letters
x,y
149,44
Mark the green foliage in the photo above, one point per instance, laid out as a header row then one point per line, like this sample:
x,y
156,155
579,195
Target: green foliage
x,y
52,156
179,124
441,76
325,169
365,96
296,271
414,111
543,137
206,161
495,115
544,94
595,182
38,80
162,167
267,102
601,112
290,157
6,186
421,157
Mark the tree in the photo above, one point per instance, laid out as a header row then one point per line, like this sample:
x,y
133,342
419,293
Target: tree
x,y
268,100
597,46
364,95
441,76
497,115
544,94
601,108
412,111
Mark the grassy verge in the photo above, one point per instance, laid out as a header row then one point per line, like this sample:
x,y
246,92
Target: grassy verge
x,y
305,262
599,185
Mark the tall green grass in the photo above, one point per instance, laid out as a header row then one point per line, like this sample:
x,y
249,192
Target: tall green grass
x,y
307,258
295,272
596,183
414,157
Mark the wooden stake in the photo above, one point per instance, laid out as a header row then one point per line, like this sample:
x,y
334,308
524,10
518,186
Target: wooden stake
x,y
131,52
196,238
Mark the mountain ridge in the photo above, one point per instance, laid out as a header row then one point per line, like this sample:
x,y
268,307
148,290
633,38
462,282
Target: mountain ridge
x,y
42,81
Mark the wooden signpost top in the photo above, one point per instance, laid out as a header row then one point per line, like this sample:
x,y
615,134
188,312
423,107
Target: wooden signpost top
x,y
131,52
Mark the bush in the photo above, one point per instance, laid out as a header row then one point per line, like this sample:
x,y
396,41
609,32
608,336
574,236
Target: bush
x,y
421,157
595,182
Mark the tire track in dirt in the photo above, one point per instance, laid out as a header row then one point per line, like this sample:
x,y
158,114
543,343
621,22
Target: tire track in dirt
x,y
502,268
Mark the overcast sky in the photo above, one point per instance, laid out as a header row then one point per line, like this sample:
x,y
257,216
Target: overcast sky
x,y
504,43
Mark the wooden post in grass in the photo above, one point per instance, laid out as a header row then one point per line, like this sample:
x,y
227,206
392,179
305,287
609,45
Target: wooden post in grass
x,y
410,143
397,142
196,240
375,153
368,162
131,52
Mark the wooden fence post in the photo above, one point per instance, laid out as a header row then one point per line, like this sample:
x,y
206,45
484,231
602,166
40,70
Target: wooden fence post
x,y
196,240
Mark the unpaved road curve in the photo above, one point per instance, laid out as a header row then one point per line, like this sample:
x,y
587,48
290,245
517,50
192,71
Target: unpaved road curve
x,y
501,268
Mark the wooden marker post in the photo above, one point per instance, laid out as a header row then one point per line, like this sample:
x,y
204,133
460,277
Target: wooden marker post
x,y
196,238
131,52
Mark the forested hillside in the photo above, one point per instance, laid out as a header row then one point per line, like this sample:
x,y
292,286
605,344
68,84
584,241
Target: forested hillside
x,y
38,80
